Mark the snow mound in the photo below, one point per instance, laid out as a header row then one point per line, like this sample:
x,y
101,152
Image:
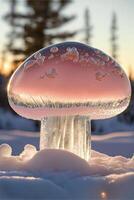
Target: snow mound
x,y
58,174
103,164
60,160
5,150
57,160
29,152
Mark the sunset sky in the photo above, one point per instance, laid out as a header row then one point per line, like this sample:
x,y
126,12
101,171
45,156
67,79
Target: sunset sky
x,y
101,14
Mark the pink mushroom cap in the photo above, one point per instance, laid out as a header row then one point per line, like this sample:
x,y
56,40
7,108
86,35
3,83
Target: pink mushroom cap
x,y
69,78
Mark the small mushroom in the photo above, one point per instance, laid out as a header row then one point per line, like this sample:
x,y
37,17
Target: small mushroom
x,y
67,91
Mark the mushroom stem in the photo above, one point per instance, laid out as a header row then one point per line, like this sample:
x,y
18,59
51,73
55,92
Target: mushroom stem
x,y
72,133
82,137
69,134
88,139
44,134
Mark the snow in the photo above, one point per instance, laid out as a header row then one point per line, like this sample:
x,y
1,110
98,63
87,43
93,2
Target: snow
x,y
5,150
9,120
58,174
118,143
111,125
28,152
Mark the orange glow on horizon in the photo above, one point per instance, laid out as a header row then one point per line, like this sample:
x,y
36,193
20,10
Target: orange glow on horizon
x,y
5,69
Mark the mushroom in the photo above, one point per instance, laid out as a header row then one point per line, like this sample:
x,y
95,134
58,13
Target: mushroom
x,y
65,86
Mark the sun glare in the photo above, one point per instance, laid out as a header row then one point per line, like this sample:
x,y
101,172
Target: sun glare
x,y
7,68
103,195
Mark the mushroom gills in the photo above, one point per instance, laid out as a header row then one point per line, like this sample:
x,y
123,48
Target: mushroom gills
x,y
72,133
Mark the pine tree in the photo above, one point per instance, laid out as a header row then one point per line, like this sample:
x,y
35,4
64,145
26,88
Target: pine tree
x,y
11,19
114,37
40,25
3,81
88,27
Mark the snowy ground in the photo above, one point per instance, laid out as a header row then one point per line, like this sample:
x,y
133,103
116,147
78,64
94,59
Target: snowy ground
x,y
113,144
61,175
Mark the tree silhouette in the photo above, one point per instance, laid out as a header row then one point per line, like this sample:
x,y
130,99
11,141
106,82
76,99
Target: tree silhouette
x,y
39,24
88,27
114,37
11,19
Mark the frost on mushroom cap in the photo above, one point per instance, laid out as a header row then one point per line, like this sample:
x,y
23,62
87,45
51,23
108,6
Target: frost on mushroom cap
x,y
69,78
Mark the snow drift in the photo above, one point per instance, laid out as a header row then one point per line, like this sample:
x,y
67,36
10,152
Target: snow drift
x,y
58,174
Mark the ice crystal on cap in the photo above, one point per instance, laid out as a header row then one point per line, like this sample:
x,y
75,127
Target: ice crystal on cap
x,y
78,79
54,49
